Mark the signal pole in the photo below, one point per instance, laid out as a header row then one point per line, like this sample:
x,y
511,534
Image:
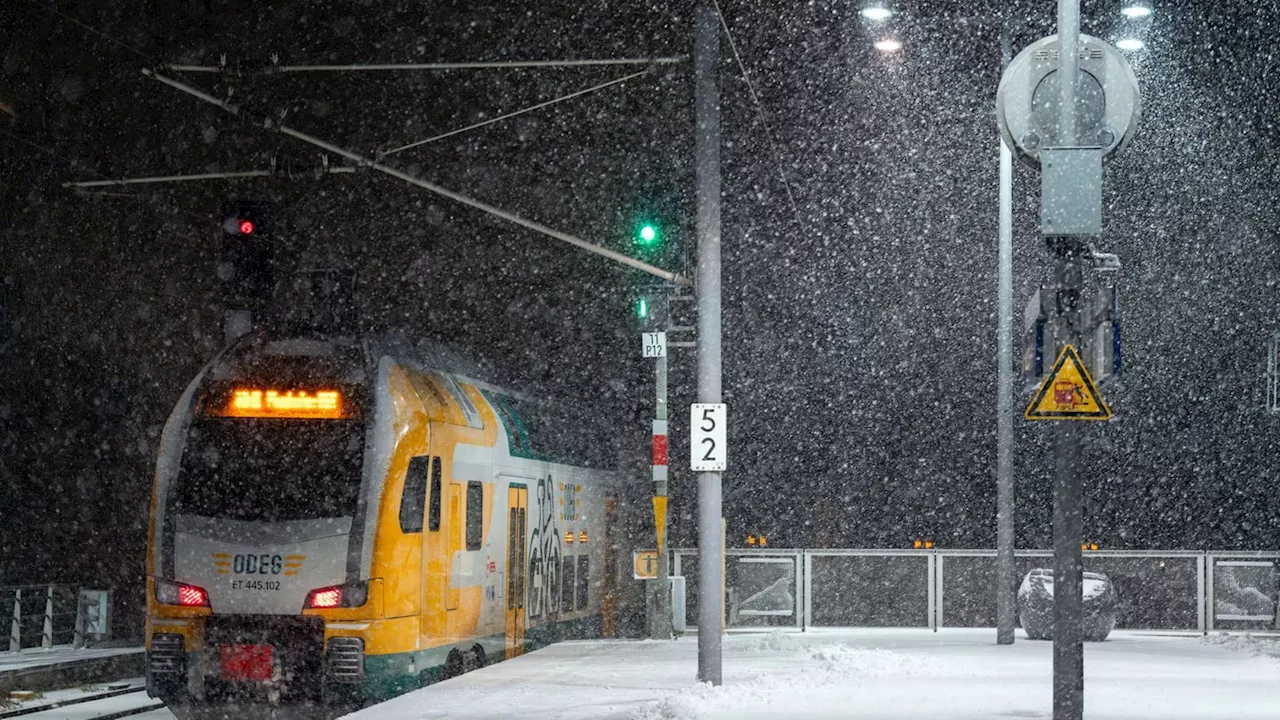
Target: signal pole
x,y
661,627
706,55
1068,522
658,590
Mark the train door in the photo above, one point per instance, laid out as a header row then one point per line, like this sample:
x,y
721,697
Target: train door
x,y
517,512
453,545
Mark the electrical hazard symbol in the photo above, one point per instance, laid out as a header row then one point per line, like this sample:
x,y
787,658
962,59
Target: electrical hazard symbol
x,y
1068,393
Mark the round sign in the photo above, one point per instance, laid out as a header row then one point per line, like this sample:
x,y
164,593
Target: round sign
x,y
1028,101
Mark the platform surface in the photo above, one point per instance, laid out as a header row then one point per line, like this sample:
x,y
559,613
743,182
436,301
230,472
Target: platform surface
x,y
893,674
59,654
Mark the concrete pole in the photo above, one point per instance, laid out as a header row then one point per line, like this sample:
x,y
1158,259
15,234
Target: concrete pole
x,y
706,55
15,627
1006,575
1068,525
46,637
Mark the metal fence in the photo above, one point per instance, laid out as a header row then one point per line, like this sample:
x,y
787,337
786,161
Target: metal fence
x,y
40,615
1157,590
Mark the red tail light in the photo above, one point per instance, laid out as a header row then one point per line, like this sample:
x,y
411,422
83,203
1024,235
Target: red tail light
x,y
176,593
192,595
350,595
325,598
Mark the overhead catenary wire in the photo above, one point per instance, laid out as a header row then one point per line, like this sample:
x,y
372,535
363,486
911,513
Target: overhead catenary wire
x,y
95,31
392,67
522,111
432,187
166,178
69,162
190,178
764,119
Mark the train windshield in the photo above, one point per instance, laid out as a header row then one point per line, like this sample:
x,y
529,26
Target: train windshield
x,y
270,469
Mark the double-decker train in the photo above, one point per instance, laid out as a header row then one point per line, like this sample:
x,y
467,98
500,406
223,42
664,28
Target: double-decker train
x,y
330,523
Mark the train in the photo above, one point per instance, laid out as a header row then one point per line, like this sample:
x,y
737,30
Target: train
x,y
334,524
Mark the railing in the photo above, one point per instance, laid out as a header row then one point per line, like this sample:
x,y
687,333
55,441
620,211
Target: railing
x,y
40,615
1157,590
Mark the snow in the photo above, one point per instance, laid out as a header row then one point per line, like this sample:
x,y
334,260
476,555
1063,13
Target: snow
x,y
1093,586
953,674
119,705
49,697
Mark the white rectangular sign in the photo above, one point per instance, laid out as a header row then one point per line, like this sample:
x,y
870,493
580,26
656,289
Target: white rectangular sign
x,y
655,344
709,450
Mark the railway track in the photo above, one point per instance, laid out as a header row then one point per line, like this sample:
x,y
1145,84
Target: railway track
x,y
115,701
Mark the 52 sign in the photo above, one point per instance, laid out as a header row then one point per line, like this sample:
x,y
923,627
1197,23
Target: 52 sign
x,y
709,450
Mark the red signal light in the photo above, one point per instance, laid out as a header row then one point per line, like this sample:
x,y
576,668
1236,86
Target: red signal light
x,y
246,227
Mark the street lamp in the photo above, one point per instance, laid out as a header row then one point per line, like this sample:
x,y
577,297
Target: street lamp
x,y
1136,10
888,45
1130,44
876,13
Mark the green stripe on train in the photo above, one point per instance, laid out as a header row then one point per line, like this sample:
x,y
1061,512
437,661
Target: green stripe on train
x,y
386,676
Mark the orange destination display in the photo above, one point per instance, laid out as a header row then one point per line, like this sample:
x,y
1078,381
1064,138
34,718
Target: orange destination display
x,y
263,403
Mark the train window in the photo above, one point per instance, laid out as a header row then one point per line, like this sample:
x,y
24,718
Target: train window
x,y
414,497
566,584
433,510
584,575
314,466
475,514
516,437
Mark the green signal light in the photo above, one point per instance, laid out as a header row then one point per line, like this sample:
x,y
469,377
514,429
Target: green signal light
x,y
642,308
648,234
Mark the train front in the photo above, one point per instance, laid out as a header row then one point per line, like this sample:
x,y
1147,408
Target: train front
x,y
256,533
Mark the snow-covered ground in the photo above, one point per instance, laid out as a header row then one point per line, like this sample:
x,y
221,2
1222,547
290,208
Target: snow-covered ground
x,y
948,675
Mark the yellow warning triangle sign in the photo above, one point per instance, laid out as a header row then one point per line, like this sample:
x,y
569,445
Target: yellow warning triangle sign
x,y
660,519
1068,393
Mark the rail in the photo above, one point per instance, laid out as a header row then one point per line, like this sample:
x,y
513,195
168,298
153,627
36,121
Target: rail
x,y
1181,590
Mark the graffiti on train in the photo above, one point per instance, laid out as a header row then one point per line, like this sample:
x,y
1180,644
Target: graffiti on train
x,y
544,555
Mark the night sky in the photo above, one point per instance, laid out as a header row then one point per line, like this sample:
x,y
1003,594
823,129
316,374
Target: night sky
x,y
860,355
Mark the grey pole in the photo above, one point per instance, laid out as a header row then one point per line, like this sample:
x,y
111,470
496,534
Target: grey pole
x,y
1068,562
706,55
660,629
1069,37
1005,573
1068,524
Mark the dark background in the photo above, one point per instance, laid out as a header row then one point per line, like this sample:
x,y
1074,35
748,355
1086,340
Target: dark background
x,y
859,330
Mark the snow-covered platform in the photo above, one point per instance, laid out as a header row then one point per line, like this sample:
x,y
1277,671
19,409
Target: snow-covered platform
x,y
947,675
